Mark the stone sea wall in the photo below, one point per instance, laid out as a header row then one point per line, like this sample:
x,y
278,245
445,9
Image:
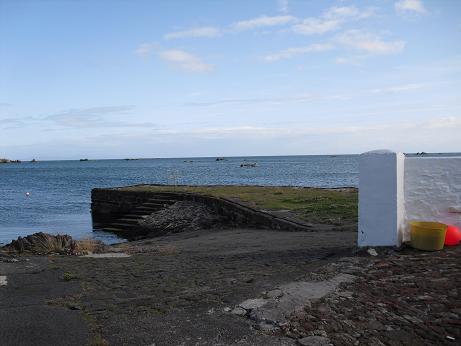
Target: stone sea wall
x,y
109,204
433,189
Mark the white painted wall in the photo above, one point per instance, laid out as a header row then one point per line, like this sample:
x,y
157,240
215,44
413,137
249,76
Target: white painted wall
x,y
433,190
395,189
380,198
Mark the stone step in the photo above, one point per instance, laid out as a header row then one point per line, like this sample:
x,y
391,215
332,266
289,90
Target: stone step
x,y
142,206
135,216
170,195
124,226
147,210
128,221
141,213
156,205
162,201
112,229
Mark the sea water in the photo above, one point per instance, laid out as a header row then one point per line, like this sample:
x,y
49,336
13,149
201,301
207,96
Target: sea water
x,y
59,192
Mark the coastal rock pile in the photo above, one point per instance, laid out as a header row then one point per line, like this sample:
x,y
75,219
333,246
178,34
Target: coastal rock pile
x,y
180,217
44,244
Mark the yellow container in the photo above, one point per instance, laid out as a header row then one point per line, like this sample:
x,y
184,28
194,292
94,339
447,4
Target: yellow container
x,y
429,236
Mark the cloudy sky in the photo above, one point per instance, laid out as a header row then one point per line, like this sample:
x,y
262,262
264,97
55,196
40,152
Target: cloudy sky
x,y
119,78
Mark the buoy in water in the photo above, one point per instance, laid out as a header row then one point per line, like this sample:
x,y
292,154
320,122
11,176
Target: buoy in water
x,y
27,194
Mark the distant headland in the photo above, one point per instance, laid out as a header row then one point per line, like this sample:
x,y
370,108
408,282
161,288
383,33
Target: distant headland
x,y
9,161
15,161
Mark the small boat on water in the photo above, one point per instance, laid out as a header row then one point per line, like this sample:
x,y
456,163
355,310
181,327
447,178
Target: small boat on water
x,y
84,160
248,164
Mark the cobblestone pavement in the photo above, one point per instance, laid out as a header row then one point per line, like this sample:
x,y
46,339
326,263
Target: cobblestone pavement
x,y
401,298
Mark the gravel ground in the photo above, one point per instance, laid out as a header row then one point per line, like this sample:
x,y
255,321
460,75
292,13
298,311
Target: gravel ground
x,y
404,298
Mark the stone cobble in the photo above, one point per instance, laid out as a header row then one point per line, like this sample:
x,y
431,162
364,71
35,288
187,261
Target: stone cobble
x,y
403,298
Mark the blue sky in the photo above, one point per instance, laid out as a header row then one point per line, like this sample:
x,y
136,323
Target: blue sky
x,y
115,79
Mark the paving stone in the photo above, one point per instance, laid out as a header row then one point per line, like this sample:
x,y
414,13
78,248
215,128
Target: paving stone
x,y
314,341
239,311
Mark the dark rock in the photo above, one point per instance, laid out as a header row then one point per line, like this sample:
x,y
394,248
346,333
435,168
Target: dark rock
x,y
239,311
44,244
314,341
267,327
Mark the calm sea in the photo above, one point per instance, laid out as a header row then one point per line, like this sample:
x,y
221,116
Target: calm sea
x,y
59,191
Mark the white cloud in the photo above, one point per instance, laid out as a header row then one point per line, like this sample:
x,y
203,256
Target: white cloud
x,y
206,31
94,117
450,122
263,131
178,58
273,100
369,43
185,61
145,49
347,12
283,6
291,52
410,6
311,26
263,21
331,20
399,88
353,60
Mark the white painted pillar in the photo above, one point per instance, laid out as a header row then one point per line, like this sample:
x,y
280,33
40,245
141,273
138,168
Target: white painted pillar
x,y
381,198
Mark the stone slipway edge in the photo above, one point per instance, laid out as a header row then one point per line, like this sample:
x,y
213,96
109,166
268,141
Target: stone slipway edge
x,y
114,202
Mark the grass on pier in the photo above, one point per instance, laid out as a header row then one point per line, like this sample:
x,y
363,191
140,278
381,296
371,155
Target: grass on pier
x,y
326,206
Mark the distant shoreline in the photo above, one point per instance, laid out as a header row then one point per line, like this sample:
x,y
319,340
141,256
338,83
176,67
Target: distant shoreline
x,y
426,154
